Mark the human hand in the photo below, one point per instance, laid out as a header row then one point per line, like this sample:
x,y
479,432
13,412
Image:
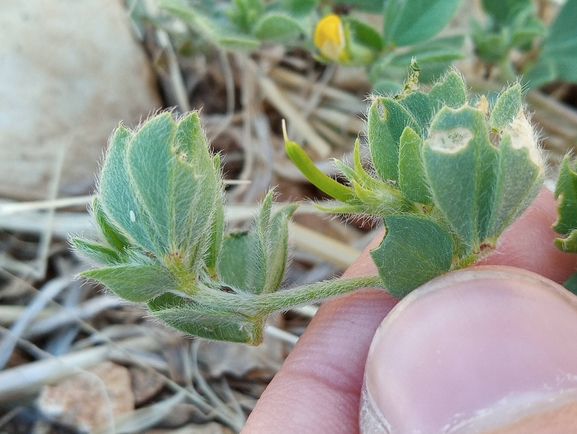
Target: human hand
x,y
319,386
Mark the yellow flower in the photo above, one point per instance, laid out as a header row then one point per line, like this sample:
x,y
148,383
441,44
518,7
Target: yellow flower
x,y
329,38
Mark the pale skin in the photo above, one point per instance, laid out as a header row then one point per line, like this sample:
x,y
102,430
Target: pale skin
x,y
318,388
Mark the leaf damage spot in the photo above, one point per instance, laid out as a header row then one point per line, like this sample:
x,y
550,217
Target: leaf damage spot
x,y
450,141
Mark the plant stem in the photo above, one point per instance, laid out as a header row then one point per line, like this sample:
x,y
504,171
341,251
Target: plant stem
x,y
264,304
283,300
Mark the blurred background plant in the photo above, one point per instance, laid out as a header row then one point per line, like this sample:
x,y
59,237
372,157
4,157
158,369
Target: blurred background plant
x,y
385,35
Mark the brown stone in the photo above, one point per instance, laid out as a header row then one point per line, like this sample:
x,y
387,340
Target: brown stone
x,y
89,400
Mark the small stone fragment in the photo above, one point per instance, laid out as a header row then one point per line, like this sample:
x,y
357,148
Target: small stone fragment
x,y
89,400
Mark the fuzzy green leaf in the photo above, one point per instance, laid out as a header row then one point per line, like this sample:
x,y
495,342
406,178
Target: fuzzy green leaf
x,y
460,164
206,322
519,179
412,179
566,189
414,251
117,198
136,283
96,251
110,233
234,265
386,121
277,248
450,91
506,108
195,193
255,261
149,157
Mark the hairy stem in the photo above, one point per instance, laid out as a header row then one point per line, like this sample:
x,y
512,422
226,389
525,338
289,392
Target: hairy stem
x,y
264,304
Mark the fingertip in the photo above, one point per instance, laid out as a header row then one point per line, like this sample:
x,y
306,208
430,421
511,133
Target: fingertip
x,y
481,347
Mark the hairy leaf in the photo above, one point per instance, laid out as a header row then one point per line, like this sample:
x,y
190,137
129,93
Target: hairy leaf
x,y
414,251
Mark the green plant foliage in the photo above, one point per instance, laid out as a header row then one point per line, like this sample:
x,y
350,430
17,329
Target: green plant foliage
x,y
558,55
566,191
410,21
206,321
566,224
218,29
277,27
448,178
434,57
160,210
510,24
414,251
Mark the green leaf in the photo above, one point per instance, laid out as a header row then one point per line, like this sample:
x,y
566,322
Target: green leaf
x,y
298,7
444,50
195,193
410,21
217,228
136,283
412,179
386,121
519,180
503,11
278,27
254,262
363,34
215,30
111,234
506,108
206,322
96,251
460,164
490,46
118,200
277,248
234,265
559,53
244,13
148,157
374,6
566,189
418,104
449,91
571,283
414,251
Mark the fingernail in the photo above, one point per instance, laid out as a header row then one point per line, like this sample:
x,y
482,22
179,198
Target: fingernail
x,y
471,351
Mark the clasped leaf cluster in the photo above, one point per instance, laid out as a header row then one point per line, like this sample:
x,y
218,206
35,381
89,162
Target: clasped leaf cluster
x,y
160,210
447,176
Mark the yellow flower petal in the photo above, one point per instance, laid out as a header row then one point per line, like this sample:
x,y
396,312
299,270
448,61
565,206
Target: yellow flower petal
x,y
329,38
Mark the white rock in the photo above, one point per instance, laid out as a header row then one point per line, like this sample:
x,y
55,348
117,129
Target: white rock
x,y
70,71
